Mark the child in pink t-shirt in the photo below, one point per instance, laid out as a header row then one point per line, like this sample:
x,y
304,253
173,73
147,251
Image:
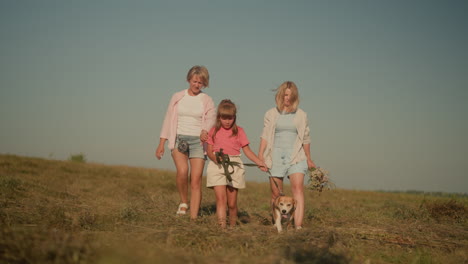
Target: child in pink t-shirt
x,y
229,138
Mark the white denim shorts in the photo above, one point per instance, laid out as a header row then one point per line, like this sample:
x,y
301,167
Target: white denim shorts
x,y
215,174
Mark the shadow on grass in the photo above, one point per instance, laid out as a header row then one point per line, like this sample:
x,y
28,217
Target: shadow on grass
x,y
315,255
266,221
207,210
243,216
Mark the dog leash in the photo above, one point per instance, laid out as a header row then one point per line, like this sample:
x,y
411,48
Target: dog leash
x,y
226,162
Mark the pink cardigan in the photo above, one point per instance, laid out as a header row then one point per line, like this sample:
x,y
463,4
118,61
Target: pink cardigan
x,y
169,128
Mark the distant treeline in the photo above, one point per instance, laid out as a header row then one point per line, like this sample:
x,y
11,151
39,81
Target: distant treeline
x,y
437,194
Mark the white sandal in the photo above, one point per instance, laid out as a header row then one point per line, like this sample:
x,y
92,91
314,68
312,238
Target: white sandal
x,y
180,211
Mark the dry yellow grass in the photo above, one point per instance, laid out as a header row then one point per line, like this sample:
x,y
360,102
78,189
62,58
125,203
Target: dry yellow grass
x,y
69,212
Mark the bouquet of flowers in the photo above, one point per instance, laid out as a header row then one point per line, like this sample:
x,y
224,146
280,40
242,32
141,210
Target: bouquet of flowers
x,y
319,179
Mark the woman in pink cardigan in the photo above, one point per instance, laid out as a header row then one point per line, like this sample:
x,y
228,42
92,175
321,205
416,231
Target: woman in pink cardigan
x,y
190,115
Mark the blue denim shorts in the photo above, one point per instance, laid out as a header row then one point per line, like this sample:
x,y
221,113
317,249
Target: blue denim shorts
x,y
281,170
195,148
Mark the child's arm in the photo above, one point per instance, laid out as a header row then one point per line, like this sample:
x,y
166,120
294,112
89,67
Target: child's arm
x,y
211,155
251,155
263,144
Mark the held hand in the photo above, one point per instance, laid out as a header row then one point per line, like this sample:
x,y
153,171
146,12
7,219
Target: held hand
x,y
262,166
261,158
160,152
310,164
203,136
213,159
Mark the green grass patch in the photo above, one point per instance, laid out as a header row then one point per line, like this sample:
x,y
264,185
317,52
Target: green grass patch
x,y
78,212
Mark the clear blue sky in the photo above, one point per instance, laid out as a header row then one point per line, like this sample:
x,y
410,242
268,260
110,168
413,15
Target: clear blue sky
x,y
385,83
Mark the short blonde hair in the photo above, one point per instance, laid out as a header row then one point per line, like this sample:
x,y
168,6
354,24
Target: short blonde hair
x,y
281,90
201,71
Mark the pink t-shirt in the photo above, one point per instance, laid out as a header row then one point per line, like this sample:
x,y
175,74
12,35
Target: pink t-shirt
x,y
230,145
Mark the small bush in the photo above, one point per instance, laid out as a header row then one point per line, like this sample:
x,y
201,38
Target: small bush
x,y
88,220
129,213
78,158
44,246
10,187
10,184
444,210
57,217
401,211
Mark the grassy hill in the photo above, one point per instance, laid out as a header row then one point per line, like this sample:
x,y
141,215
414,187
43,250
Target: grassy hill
x,y
76,212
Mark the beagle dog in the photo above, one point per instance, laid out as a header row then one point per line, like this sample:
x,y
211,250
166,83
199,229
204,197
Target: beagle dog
x,y
283,211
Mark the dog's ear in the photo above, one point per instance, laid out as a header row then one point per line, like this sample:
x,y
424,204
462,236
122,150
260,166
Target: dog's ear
x,y
294,204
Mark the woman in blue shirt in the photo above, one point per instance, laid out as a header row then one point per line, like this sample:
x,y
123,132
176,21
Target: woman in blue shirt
x,y
285,146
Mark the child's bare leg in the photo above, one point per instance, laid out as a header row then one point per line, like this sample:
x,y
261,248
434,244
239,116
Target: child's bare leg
x,y
232,204
220,194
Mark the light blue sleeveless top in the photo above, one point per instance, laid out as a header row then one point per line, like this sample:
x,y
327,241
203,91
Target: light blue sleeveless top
x,y
285,138
286,132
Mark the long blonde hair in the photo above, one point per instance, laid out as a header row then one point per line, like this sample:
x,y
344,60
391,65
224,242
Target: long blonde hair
x,y
281,90
226,109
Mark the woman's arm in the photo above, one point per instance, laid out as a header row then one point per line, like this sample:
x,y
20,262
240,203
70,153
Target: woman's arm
x,y
310,162
209,114
306,142
160,148
261,149
203,135
167,123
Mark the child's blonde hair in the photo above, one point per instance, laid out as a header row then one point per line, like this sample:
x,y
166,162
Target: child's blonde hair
x,y
201,71
281,90
226,109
